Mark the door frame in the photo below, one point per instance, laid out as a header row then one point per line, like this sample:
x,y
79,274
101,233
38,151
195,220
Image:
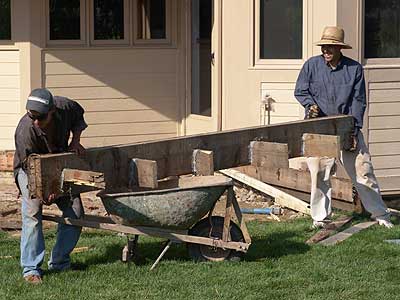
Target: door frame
x,y
194,124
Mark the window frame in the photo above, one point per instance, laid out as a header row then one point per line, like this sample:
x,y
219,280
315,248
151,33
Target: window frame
x,y
380,62
127,22
81,41
170,26
11,40
261,63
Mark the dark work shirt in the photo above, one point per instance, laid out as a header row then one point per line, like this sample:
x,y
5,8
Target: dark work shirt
x,y
339,91
30,139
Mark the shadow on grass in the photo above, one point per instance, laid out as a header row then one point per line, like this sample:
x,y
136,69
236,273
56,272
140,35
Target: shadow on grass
x,y
274,246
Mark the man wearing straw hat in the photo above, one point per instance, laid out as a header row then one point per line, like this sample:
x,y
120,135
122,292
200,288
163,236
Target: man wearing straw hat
x,y
333,84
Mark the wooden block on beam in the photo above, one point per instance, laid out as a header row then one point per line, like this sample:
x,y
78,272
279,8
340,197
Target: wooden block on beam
x,y
269,155
319,145
203,162
143,173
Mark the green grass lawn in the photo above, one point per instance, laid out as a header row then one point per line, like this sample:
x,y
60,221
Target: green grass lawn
x,y
279,265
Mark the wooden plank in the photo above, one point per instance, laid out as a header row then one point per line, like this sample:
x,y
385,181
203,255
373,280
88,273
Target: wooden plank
x,y
143,173
178,236
281,197
174,156
228,215
294,204
342,205
5,213
10,224
345,234
298,180
269,155
241,221
321,145
203,162
329,230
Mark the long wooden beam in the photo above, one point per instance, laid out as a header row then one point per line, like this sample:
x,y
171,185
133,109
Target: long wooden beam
x,y
342,188
174,156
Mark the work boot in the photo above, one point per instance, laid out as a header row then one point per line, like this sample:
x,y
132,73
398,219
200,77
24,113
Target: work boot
x,y
34,279
318,224
384,222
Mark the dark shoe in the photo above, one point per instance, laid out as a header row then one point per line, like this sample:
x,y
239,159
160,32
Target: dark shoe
x,y
34,279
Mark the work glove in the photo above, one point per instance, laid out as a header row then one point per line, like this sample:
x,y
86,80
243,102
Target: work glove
x,y
313,112
353,142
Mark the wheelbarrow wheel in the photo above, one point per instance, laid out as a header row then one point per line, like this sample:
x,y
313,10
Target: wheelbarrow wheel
x,y
208,253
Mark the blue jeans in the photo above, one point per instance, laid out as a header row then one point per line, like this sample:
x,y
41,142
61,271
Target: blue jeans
x,y
32,239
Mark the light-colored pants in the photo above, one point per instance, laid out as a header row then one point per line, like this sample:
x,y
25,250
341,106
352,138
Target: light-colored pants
x,y
359,167
32,239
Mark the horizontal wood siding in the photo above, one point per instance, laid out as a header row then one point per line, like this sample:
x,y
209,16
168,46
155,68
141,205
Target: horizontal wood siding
x,y
384,126
9,97
285,107
129,95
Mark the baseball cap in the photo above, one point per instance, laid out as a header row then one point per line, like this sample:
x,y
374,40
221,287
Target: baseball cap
x,y
40,100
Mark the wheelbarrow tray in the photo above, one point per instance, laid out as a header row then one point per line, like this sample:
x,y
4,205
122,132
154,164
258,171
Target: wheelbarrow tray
x,y
175,208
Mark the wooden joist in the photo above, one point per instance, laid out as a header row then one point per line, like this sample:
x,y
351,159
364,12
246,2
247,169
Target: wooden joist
x,y
174,156
298,180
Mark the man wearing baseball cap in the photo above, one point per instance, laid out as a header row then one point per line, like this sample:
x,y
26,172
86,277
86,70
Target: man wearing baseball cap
x,y
46,128
333,84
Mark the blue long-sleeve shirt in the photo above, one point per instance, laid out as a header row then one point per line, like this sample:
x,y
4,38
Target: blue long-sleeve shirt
x,y
339,91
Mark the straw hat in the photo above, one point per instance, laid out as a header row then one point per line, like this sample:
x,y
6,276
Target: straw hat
x,y
333,35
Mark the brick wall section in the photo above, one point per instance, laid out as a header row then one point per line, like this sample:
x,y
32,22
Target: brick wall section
x,y
6,161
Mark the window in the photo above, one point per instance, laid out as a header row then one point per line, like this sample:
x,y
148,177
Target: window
x,y
108,19
281,29
382,29
5,19
66,21
107,22
153,19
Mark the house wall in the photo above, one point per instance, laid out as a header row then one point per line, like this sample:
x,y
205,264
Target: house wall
x,y
245,82
9,96
129,95
383,123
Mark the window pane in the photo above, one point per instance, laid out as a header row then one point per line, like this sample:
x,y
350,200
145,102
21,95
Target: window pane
x,y
65,19
152,19
281,29
5,20
382,28
108,19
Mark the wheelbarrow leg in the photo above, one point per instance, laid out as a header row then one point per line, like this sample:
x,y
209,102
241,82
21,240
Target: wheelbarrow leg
x,y
129,251
161,255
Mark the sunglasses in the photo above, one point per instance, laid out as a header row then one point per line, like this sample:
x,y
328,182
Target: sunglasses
x,y
40,117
